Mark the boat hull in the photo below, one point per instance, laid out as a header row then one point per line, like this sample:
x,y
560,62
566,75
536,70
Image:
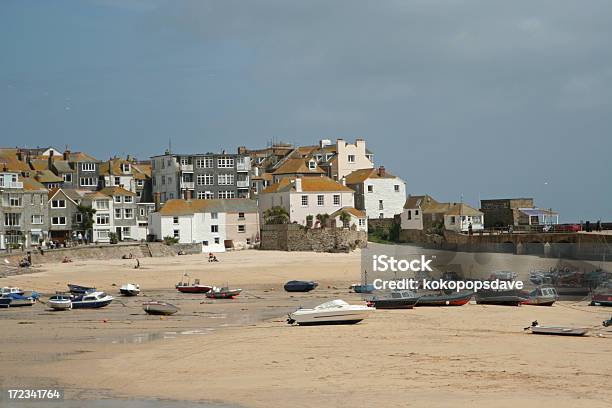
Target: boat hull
x,y
363,288
394,303
558,331
602,300
159,308
459,299
223,295
91,304
128,292
59,305
5,303
539,301
80,290
500,298
329,318
193,289
300,286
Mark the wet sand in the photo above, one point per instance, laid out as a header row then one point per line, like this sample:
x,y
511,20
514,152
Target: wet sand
x,y
242,352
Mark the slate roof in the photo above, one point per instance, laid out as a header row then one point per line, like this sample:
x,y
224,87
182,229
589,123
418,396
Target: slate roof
x,y
177,207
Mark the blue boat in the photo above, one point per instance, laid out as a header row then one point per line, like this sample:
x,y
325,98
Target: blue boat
x,y
16,300
300,286
358,288
91,300
5,301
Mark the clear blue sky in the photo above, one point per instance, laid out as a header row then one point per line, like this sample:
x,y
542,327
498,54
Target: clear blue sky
x,y
475,98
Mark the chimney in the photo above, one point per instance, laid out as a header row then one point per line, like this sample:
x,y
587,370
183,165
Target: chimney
x,y
19,155
298,185
242,149
156,199
381,171
343,180
66,154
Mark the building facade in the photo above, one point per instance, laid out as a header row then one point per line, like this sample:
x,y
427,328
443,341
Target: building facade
x,y
377,192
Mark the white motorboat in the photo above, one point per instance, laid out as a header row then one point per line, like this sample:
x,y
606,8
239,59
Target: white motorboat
x,y
332,312
91,300
10,290
60,302
130,289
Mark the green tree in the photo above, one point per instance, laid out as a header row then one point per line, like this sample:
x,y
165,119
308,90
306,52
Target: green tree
x,y
345,217
323,219
276,215
87,215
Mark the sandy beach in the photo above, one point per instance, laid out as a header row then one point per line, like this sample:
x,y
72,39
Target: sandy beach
x,y
242,352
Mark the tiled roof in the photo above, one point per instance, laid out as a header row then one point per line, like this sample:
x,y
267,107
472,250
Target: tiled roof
x,y
47,176
297,166
39,164
309,184
359,176
351,210
416,201
96,195
176,207
81,157
30,184
116,191
462,209
9,162
62,166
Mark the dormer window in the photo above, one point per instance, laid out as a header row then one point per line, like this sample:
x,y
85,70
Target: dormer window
x,y
312,165
318,157
125,167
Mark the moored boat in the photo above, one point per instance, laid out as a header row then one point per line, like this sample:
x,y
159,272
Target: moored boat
x,y
5,301
404,299
130,289
443,299
513,297
300,286
60,301
332,312
535,328
222,293
7,290
155,307
362,288
541,296
91,300
195,287
602,295
16,300
80,290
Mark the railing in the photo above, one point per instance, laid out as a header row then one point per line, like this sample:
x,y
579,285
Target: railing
x,y
243,166
190,185
186,167
12,184
242,183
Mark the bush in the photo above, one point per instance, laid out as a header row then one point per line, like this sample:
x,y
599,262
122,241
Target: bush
x,y
170,240
113,237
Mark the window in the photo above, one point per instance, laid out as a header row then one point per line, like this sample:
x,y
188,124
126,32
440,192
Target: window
x,y
175,220
362,222
241,216
205,179
226,194
88,182
176,234
351,158
241,228
204,163
205,243
320,199
171,195
128,199
101,204
304,201
118,213
396,188
163,180
126,232
416,212
12,220
381,215
142,211
225,162
370,189
128,213
217,240
102,234
225,179
140,183
184,161
58,203
14,200
169,180
381,205
138,194
67,178
102,219
205,195
336,199
58,221
214,228
37,219
214,215
452,219
248,241
409,214
125,167
88,166
117,199
312,165
78,218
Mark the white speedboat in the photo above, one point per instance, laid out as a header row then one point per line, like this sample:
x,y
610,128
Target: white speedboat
x,y
332,312
130,289
10,290
60,302
91,300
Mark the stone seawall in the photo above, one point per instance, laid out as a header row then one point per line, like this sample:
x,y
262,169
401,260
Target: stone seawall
x,y
107,251
292,237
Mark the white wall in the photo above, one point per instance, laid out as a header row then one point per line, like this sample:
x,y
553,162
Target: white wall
x,y
462,223
298,213
384,189
342,167
192,229
416,220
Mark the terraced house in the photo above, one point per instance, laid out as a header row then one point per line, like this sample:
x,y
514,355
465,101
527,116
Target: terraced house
x,y
65,220
200,176
123,212
23,211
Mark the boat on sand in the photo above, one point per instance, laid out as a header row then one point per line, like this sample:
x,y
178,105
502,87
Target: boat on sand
x,y
300,286
404,299
130,289
155,307
222,293
443,299
535,328
192,287
541,296
332,312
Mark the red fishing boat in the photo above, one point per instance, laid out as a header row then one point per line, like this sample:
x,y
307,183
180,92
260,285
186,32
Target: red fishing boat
x,y
195,287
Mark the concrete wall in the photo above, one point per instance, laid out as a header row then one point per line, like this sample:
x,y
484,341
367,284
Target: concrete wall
x,y
292,237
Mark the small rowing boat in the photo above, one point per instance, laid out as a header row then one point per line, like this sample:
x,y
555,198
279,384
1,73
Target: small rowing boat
x,y
222,293
535,328
155,307
300,286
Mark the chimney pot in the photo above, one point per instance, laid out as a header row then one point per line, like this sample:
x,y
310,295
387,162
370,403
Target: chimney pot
x,y
381,171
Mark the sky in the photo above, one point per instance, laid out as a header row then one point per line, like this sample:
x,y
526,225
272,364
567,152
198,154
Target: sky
x,y
462,99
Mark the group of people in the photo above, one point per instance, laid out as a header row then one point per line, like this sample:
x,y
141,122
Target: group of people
x,y
212,257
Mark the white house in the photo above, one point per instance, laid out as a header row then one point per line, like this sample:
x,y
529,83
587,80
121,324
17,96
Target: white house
x,y
217,224
357,219
461,216
377,192
103,218
304,198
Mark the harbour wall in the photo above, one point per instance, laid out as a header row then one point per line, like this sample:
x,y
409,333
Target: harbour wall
x,y
293,237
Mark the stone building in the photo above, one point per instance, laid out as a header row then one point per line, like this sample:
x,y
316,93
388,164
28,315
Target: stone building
x,y
379,193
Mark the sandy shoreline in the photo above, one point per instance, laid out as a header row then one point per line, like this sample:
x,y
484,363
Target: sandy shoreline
x,y
242,352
